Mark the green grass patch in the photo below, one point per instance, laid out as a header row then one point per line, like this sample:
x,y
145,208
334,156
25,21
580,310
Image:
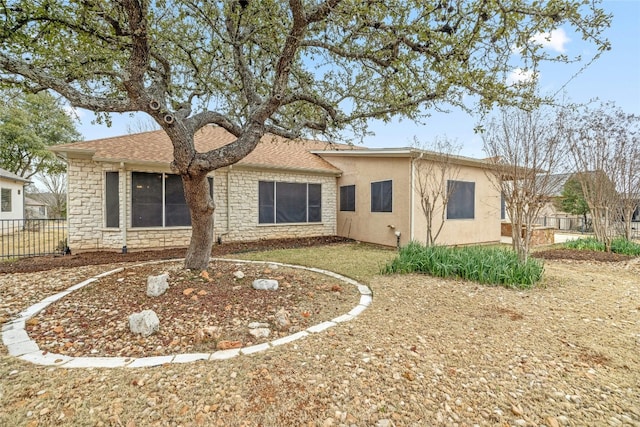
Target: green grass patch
x,y
359,261
619,245
487,265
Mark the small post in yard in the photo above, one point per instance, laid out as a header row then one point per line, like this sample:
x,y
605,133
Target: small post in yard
x,y
398,239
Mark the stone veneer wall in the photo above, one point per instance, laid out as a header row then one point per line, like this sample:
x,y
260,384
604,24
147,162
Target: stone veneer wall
x,y
540,236
238,221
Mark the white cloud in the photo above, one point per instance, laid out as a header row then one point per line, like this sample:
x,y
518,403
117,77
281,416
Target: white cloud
x,y
554,40
519,75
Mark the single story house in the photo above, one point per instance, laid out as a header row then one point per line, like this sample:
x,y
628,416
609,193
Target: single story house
x,y
11,195
122,193
35,209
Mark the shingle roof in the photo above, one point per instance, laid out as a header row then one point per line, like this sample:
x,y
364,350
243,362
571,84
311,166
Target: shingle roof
x,y
155,148
10,175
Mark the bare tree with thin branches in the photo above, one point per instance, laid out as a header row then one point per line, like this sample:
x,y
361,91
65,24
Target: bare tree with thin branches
x,y
605,145
527,151
434,167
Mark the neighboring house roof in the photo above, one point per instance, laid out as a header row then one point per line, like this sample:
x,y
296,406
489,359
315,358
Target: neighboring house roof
x,y
12,176
154,148
556,183
28,201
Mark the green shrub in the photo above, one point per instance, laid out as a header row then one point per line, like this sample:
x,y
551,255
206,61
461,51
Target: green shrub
x,y
489,265
585,243
619,245
625,247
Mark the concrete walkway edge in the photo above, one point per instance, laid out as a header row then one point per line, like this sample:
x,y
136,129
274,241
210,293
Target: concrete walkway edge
x,y
19,344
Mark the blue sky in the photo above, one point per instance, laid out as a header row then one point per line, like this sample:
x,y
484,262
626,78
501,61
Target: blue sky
x,y
615,76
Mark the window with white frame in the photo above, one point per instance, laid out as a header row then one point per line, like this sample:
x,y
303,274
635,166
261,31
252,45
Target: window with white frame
x,y
289,202
5,199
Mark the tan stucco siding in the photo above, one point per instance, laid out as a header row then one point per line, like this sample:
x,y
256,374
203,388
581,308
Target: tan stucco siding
x,y
483,228
86,209
407,216
375,227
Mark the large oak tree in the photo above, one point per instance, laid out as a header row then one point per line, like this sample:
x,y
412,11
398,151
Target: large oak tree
x,y
292,68
29,125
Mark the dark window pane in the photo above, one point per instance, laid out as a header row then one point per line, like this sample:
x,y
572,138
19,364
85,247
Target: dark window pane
x,y
176,209
291,202
112,199
146,199
5,195
382,196
502,207
462,200
266,202
348,198
315,203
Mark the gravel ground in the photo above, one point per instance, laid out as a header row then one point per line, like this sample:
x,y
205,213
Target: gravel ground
x,y
427,352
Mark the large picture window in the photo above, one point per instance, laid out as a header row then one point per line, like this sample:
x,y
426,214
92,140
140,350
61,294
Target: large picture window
x,y
289,202
461,200
348,198
381,196
112,199
157,200
5,199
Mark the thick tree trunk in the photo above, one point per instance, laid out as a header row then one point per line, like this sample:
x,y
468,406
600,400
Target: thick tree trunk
x,y
197,195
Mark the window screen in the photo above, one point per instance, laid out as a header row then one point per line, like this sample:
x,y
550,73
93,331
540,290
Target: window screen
x,y
348,198
315,203
289,202
266,203
462,200
112,199
176,209
5,199
146,199
381,196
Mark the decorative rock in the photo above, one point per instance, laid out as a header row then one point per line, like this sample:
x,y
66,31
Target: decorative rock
x,y
273,266
552,422
227,345
282,320
157,285
238,274
144,323
265,284
260,332
208,333
255,325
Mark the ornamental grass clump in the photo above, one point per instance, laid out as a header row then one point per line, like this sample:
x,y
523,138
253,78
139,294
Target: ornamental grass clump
x,y
619,245
488,265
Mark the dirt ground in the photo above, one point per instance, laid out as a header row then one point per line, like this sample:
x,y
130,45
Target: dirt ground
x,y
426,352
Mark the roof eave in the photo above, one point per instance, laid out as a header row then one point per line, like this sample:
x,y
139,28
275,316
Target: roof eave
x,y
313,171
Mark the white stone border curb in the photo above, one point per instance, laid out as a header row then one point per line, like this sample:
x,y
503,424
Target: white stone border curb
x,y
19,344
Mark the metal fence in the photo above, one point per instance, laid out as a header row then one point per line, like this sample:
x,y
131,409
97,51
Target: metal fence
x,y
567,223
32,237
577,224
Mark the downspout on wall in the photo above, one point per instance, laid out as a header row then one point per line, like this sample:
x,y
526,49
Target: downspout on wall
x,y
413,197
123,211
227,195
